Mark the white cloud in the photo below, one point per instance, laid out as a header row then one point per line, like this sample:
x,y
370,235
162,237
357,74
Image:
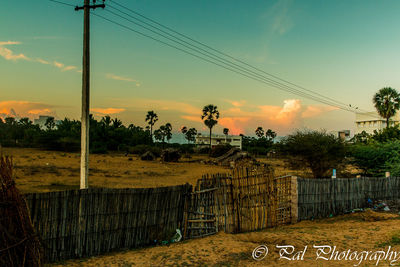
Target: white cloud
x,y
121,78
8,54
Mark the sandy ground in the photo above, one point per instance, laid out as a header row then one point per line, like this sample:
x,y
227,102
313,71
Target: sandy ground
x,y
367,231
44,171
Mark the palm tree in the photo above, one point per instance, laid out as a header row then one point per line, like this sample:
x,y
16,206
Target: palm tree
x,y
168,131
387,102
259,132
270,134
210,117
151,119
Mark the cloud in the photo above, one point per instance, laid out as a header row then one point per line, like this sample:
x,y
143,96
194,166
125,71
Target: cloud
x,y
239,103
67,68
121,78
8,54
58,64
9,43
240,116
283,119
42,61
107,111
314,111
20,109
236,125
279,17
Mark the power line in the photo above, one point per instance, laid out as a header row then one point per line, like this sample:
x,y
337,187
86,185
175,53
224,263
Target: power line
x,y
62,3
231,65
220,52
278,86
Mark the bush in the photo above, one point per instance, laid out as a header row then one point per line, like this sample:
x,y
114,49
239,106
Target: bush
x,y
314,149
377,158
220,150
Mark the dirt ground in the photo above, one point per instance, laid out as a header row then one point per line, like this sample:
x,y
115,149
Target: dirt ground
x,y
44,171
366,231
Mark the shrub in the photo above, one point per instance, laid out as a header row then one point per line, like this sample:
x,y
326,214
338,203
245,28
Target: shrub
x,y
317,150
377,158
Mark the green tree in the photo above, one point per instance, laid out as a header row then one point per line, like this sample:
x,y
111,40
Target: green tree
x,y
168,131
259,132
164,132
50,124
270,135
210,117
191,135
151,119
376,158
387,103
226,131
314,149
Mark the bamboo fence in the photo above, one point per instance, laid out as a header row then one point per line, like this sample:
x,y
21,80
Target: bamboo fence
x,y
83,223
319,198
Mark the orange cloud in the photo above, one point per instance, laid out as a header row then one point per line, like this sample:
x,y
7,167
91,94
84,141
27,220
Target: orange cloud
x,y
314,111
235,125
44,111
107,111
9,55
22,109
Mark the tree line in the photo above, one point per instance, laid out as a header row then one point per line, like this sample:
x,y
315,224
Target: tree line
x,y
110,134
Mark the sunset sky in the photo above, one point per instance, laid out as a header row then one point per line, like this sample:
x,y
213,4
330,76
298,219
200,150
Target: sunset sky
x,y
346,50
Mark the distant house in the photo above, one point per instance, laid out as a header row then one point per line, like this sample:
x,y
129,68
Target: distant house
x,y
218,139
342,134
41,121
370,121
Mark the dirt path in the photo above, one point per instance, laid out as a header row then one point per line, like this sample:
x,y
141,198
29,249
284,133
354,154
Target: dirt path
x,y
367,231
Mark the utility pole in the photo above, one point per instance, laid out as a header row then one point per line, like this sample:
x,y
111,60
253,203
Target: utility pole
x,y
86,90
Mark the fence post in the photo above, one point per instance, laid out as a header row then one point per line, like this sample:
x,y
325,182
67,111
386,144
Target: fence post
x,y
294,199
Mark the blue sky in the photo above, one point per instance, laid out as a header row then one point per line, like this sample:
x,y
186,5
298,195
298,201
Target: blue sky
x,y
346,50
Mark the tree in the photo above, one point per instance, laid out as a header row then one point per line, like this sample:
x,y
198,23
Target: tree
x,y
191,135
259,132
387,103
226,131
375,158
270,135
168,131
314,149
210,117
164,132
151,119
50,124
184,130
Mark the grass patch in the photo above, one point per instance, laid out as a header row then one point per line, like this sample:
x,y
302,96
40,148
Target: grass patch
x,y
393,241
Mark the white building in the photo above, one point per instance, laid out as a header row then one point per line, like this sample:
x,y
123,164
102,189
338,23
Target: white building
x,y
218,139
370,121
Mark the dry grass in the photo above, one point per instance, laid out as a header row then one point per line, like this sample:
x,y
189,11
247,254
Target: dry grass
x,y
44,171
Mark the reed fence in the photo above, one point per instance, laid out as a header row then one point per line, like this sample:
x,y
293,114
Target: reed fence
x,y
83,223
249,199
319,198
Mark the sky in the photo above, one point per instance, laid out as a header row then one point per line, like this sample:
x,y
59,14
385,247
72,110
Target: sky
x,y
346,50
